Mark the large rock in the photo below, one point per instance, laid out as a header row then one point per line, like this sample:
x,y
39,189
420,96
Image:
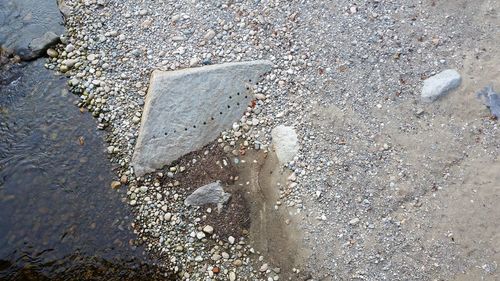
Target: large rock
x,y
285,143
440,85
39,45
212,193
29,27
187,109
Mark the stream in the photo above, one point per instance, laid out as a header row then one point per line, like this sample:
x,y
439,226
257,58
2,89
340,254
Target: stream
x,y
59,217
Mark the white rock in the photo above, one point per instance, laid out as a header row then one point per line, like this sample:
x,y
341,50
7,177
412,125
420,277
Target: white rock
x,y
285,143
194,61
231,240
264,267
260,96
354,221
200,235
208,229
167,217
440,85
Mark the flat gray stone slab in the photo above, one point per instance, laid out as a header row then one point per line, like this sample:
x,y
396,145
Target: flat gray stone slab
x,y
187,109
440,85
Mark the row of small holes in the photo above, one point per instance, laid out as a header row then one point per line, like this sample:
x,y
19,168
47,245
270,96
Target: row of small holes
x,y
212,118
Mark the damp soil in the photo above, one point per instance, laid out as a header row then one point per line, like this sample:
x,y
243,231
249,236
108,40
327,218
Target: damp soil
x,y
213,164
274,231
254,179
60,220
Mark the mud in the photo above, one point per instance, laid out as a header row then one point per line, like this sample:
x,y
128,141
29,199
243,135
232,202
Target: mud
x,y
274,231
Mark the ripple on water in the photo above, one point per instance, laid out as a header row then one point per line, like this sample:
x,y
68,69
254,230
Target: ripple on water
x,y
59,217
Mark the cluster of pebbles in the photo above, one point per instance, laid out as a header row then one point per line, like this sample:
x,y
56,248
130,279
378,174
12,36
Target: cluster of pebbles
x,y
346,76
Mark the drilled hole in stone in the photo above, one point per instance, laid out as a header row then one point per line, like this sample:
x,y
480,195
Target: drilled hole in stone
x,y
246,97
228,106
194,126
166,134
204,123
220,113
238,94
185,129
250,80
237,103
230,97
211,118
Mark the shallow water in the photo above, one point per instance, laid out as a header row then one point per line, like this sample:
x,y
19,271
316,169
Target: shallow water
x,y
59,217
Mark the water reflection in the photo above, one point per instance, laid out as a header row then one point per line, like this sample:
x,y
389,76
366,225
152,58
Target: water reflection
x,y
59,217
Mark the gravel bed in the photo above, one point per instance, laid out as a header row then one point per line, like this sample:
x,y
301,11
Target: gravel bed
x,y
347,75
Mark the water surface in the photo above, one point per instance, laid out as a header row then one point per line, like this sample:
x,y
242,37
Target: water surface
x,y
59,217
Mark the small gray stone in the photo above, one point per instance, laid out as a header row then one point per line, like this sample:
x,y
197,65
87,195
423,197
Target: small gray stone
x,y
440,85
70,63
216,257
209,35
212,193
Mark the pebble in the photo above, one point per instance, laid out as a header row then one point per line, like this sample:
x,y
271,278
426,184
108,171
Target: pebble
x,y
124,179
70,63
208,229
115,184
200,235
264,267
354,221
52,53
194,61
209,35
167,217
440,85
69,48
